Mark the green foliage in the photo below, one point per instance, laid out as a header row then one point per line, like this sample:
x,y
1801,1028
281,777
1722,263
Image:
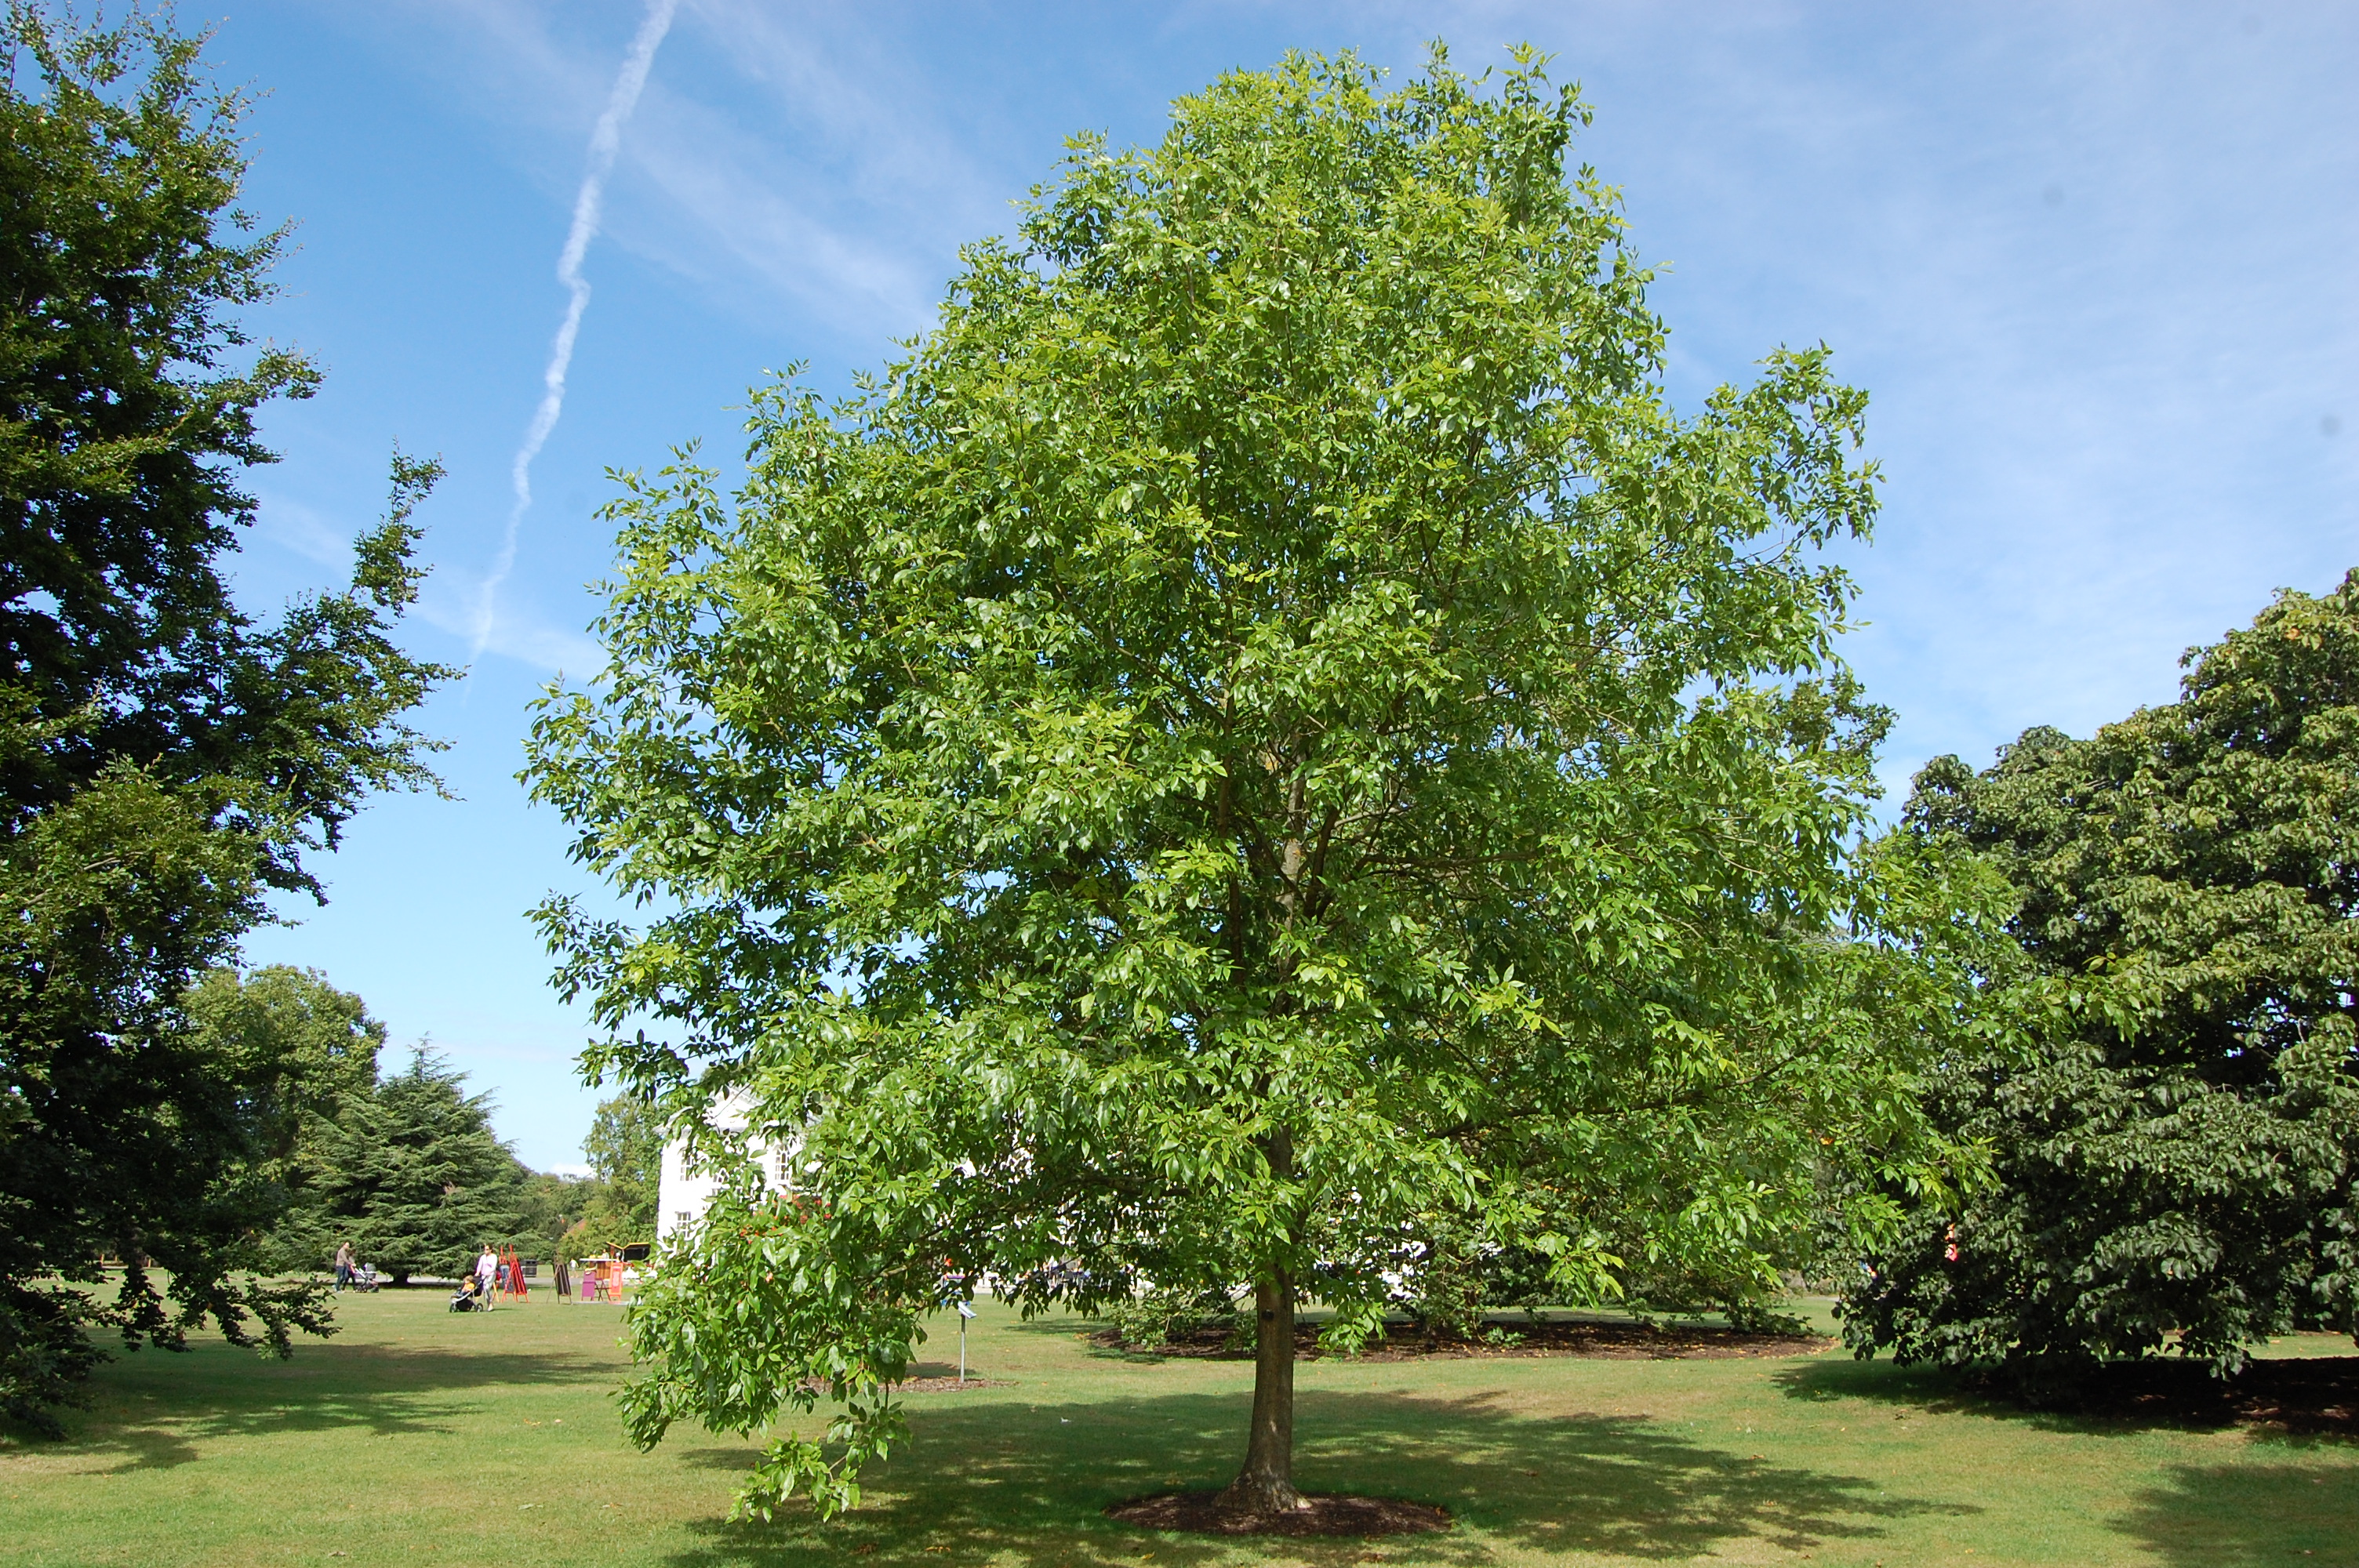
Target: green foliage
x,y
1263,732
123,417
1153,1318
320,1040
552,1209
415,1176
304,1049
2181,1157
116,1136
626,1146
164,760
616,1205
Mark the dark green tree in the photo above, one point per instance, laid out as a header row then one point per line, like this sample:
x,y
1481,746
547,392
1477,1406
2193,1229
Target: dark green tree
x,y
2183,1161
292,1020
165,760
1264,734
416,1178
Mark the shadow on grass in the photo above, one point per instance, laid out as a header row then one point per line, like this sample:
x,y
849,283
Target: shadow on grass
x,y
2226,1515
1050,1324
2309,1397
152,1409
1084,1332
1028,1481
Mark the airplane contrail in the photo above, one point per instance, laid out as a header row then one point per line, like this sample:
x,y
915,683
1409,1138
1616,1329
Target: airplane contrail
x,y
603,142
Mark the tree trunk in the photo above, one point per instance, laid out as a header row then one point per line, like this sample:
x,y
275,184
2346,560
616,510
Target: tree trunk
x,y
1265,1485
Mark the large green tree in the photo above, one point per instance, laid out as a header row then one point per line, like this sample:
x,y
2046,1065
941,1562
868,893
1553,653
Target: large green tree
x,y
165,760
417,1180
1266,734
2177,1169
615,1206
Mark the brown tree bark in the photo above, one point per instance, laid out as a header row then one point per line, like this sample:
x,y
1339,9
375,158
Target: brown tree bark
x,y
1265,1485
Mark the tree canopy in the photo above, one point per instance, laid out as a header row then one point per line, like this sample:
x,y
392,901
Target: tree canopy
x,y
165,760
1264,737
2179,1168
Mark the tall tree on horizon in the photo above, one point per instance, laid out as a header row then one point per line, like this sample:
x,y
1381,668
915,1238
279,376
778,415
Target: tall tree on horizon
x,y
1264,734
624,1146
303,1049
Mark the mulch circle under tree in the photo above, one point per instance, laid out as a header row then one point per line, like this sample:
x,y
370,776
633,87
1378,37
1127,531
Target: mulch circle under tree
x,y
1208,1513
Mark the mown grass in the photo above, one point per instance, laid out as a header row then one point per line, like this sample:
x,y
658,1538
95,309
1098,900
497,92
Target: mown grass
x,y
415,1438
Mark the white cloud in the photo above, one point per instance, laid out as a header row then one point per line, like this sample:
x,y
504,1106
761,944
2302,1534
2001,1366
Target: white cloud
x,y
293,526
589,199
2090,262
452,601
777,157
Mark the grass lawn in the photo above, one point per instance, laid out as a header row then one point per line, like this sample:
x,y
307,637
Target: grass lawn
x,y
415,1438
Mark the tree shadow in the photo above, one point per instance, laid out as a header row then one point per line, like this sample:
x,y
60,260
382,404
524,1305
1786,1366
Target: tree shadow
x,y
150,1422
1052,1325
2316,1396
2223,1516
1028,1483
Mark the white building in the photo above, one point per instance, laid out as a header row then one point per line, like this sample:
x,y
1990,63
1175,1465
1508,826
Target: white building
x,y
682,1195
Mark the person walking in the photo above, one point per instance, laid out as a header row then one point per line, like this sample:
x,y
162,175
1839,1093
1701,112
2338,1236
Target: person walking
x,y
487,1273
343,1263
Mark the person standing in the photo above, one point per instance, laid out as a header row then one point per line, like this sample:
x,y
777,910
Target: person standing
x,y
343,1263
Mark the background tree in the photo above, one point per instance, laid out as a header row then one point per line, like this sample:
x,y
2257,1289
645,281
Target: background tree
x,y
2183,1160
615,1205
1266,731
625,1147
165,760
553,1207
305,1049
416,1177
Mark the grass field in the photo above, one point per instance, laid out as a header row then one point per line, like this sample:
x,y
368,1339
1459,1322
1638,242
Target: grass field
x,y
415,1438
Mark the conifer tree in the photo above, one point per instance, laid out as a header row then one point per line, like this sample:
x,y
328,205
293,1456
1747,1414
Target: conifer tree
x,y
417,1179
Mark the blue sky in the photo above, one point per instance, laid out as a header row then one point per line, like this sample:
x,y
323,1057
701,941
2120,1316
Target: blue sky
x,y
2094,263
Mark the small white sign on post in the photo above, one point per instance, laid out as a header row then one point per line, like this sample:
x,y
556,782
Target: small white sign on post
x,y
965,1312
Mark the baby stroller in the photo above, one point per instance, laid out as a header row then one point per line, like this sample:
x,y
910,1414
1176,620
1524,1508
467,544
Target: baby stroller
x,y
365,1278
464,1299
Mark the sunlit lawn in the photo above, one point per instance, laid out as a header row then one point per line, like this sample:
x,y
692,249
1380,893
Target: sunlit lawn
x,y
418,1438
